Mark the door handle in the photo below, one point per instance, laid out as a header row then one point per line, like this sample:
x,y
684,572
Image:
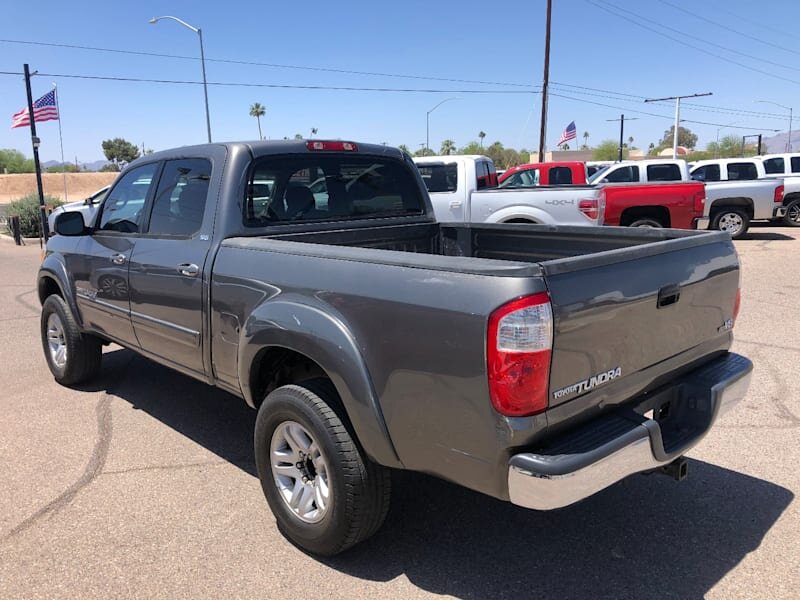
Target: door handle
x,y
455,203
118,259
188,269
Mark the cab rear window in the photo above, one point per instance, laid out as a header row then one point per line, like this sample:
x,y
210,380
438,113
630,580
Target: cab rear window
x,y
320,188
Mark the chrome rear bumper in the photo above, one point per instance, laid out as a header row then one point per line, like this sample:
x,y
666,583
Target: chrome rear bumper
x,y
548,481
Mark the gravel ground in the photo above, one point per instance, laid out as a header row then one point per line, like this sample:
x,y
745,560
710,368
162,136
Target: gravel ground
x,y
143,484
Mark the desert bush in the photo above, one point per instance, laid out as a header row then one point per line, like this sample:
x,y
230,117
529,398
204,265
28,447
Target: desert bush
x,y
27,209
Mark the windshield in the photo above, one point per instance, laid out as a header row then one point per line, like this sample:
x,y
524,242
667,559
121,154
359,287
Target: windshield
x,y
598,175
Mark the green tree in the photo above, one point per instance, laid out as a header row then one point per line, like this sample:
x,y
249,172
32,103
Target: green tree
x,y
565,146
685,138
586,139
424,152
730,146
630,142
110,167
471,148
448,147
404,148
13,161
27,209
608,150
651,149
257,110
120,151
298,136
65,168
481,135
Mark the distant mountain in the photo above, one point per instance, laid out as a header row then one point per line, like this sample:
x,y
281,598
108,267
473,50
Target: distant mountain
x,y
85,166
777,143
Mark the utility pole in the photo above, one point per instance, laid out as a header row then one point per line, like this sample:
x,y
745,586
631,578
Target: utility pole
x,y
677,115
545,82
622,132
43,228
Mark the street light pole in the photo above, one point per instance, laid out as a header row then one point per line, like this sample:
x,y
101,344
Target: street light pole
x,y
789,108
199,33
677,116
428,122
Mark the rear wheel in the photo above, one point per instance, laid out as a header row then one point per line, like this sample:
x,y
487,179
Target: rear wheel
x,y
646,222
326,495
792,217
733,220
73,357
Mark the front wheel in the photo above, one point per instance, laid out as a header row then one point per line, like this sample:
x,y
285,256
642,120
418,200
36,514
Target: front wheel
x,y
792,217
326,495
733,220
72,356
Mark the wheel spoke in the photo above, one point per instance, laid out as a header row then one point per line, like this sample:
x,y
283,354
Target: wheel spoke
x,y
297,494
287,470
307,500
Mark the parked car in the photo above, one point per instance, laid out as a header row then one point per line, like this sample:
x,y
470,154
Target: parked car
x,y
643,171
87,207
459,195
746,201
534,364
786,166
554,173
678,205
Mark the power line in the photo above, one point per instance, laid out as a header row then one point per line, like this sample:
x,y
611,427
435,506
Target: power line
x,y
715,45
684,43
533,88
275,85
725,27
261,64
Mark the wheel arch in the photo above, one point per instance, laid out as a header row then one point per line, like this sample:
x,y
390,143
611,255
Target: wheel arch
x,y
734,202
654,211
53,279
287,341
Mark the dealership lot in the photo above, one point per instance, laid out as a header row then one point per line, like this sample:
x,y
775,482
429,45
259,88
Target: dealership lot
x,y
144,484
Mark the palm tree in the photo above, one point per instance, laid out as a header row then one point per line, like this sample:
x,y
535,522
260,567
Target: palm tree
x,y
448,146
482,135
630,141
257,110
585,139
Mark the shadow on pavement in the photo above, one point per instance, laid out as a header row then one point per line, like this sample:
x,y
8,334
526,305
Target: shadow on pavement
x,y
760,236
647,536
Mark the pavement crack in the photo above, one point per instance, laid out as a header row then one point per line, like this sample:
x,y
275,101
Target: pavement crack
x,y
173,467
93,468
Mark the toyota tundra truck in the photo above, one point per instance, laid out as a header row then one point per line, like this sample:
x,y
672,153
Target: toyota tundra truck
x,y
536,364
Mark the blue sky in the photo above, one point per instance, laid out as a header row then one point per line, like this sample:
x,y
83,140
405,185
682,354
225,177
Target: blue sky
x,y
497,42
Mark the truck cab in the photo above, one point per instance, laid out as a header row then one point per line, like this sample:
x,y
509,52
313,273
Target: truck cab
x,y
554,173
727,169
448,177
643,171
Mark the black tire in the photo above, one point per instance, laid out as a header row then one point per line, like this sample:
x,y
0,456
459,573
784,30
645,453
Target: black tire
x,y
727,219
359,489
83,352
647,222
792,217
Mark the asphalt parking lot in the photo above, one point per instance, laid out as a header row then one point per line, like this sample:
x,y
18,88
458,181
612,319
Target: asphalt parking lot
x,y
143,484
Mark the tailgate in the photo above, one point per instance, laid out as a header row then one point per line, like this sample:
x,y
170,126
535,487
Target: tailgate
x,y
623,323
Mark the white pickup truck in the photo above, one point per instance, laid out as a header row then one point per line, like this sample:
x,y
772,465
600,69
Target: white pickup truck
x,y
643,171
87,207
787,166
463,190
739,190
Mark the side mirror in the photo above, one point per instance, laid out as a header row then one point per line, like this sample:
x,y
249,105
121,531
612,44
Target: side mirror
x,y
70,223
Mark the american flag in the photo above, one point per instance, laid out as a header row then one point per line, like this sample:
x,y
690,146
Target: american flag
x,y
570,133
44,109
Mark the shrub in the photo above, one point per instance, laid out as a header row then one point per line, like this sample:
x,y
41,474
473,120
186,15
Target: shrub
x,y
27,209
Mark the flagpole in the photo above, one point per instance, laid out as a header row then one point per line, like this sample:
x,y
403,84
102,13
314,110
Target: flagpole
x,y
61,141
43,228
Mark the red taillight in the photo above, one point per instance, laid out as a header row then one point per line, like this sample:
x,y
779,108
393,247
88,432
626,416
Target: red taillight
x,y
519,345
700,202
778,199
737,304
332,146
590,208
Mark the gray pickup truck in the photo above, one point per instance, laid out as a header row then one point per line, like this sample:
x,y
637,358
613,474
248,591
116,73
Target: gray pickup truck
x,y
533,363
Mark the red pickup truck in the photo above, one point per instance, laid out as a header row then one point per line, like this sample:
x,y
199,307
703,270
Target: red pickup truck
x,y
678,205
552,173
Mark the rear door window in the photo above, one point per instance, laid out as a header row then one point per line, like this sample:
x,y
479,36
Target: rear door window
x,y
560,176
180,200
773,165
663,173
626,174
439,177
743,170
795,162
319,188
